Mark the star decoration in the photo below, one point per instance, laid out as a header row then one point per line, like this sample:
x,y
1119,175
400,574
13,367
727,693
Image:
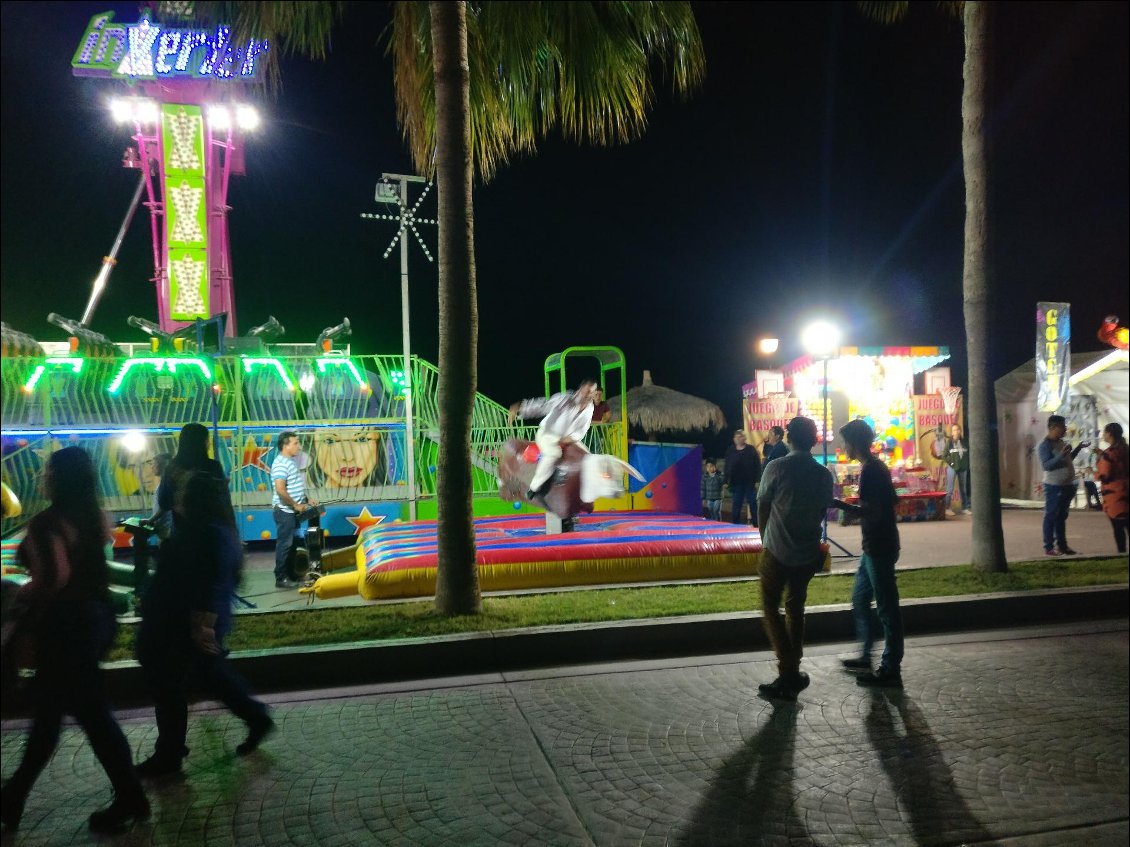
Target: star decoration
x,y
365,520
253,455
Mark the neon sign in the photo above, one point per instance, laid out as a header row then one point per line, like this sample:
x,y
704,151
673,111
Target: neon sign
x,y
158,364
146,50
73,362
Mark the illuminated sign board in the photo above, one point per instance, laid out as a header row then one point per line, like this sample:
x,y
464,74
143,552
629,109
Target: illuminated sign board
x,y
1053,355
146,51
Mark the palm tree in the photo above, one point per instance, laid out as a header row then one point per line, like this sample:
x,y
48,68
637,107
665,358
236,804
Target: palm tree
x,y
988,534
475,84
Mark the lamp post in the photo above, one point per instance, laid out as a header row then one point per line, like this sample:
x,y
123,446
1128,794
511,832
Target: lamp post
x,y
822,341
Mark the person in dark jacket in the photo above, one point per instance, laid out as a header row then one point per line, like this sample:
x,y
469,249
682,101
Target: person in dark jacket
x,y
875,579
68,618
774,445
187,616
743,473
711,490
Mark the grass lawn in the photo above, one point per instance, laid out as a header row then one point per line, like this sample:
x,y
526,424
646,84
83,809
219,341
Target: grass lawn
x,y
335,625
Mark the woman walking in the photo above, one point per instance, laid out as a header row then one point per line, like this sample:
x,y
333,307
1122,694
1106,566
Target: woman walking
x,y
66,613
187,615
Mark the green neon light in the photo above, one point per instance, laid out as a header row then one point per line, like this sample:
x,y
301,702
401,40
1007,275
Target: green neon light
x,y
249,362
337,362
158,363
74,362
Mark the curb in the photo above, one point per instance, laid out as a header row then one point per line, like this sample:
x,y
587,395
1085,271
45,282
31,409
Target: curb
x,y
363,663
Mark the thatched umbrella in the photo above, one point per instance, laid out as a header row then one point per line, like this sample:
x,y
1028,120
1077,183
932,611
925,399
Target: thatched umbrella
x,y
656,409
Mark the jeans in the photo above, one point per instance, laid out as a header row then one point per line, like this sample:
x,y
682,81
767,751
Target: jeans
x,y
785,634
714,509
962,480
1057,503
741,493
287,525
875,580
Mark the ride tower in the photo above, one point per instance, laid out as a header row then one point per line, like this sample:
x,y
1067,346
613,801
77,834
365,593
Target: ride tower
x,y
189,123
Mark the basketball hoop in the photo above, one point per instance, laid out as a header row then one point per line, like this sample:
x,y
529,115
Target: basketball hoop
x,y
950,397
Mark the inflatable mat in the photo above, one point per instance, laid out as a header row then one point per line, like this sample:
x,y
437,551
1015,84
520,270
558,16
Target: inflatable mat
x,y
514,552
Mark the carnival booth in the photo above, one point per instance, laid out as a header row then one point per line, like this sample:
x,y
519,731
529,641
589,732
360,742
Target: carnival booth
x,y
1097,395
901,392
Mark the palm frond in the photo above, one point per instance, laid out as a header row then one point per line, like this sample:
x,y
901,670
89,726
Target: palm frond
x,y
291,27
892,11
535,67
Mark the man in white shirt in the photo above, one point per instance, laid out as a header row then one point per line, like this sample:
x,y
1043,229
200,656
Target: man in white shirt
x,y
565,419
288,500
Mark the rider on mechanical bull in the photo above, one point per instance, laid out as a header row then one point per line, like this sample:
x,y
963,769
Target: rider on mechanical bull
x,y
566,418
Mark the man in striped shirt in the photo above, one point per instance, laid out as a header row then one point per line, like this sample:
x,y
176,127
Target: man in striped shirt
x,y
289,501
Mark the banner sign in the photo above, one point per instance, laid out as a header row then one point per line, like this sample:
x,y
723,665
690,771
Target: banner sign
x,y
763,413
929,414
1053,355
186,212
146,50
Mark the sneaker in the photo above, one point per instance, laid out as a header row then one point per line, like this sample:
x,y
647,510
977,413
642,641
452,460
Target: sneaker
x,y
856,665
1048,551
800,681
1067,551
256,732
285,583
882,678
120,815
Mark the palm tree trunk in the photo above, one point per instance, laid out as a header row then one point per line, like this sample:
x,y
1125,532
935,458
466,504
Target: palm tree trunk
x,y
988,535
457,579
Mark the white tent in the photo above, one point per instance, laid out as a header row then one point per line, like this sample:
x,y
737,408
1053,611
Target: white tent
x,y
1100,385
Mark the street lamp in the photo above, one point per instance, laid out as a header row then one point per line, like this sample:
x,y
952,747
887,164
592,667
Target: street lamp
x,y
822,341
768,346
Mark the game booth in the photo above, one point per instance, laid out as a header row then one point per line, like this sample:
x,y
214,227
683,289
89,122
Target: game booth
x,y
903,393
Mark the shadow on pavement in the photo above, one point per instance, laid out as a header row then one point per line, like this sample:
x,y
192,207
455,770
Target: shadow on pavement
x,y
913,762
751,796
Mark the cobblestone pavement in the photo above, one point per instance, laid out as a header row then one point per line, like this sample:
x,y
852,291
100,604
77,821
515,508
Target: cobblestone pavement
x,y
1016,738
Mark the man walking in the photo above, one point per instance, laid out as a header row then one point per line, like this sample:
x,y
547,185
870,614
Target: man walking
x,y
875,579
795,494
289,501
1058,461
743,473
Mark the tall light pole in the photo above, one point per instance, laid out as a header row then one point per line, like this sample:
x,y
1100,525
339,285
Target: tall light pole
x,y
388,192
822,341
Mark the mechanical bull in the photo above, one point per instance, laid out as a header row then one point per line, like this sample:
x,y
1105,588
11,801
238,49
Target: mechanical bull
x,y
579,479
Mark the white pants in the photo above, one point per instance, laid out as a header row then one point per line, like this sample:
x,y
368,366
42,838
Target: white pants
x,y
549,447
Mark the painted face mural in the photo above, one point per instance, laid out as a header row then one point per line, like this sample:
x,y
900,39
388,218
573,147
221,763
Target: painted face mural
x,y
349,457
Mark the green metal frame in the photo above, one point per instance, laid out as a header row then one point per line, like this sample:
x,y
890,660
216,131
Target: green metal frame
x,y
607,438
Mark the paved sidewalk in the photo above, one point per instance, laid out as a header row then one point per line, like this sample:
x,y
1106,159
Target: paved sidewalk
x,y
1017,738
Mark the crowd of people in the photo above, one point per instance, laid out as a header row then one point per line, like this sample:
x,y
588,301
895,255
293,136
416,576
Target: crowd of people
x,y
66,624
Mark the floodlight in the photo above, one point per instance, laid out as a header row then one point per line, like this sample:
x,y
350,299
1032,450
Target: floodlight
x,y
342,330
821,339
133,441
246,117
768,346
219,117
120,110
145,111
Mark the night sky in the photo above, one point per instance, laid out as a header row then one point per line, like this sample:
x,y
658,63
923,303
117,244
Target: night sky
x,y
817,172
